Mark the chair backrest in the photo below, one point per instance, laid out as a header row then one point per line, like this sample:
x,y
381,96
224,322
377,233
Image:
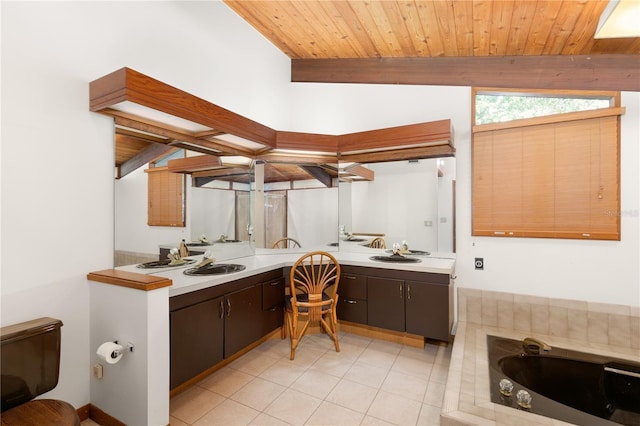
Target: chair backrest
x,y
378,243
286,243
313,274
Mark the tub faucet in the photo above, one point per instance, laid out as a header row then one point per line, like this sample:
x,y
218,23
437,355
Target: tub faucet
x,y
534,346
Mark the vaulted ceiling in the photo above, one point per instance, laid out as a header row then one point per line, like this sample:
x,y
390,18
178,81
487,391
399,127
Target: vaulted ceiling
x,y
430,28
545,43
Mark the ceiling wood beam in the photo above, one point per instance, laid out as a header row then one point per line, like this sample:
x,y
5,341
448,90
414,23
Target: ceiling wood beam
x,y
142,158
193,164
579,72
362,172
318,174
222,172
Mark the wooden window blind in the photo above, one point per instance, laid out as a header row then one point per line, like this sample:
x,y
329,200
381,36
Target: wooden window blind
x,y
165,197
555,177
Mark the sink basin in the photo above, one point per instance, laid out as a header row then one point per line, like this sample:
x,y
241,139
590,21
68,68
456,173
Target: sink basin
x,y
394,258
215,269
163,264
413,252
228,241
198,244
355,240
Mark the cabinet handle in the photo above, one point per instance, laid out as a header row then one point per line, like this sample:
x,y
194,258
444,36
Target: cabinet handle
x,y
228,307
401,292
349,277
351,301
408,291
275,283
221,309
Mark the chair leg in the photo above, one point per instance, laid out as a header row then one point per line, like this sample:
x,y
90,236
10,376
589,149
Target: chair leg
x,y
331,329
283,329
293,335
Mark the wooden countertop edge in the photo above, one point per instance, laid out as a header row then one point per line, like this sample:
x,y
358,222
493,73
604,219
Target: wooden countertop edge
x,y
133,280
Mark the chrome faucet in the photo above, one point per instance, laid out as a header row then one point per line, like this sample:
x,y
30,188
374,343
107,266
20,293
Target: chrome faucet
x,y
534,346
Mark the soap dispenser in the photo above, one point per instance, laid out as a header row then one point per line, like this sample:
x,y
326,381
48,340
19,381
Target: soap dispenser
x,y
184,250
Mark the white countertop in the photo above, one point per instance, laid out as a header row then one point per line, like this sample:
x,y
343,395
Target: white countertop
x,y
260,262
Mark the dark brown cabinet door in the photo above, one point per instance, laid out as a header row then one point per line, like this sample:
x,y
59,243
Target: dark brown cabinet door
x,y
196,334
242,325
427,309
272,305
352,301
385,303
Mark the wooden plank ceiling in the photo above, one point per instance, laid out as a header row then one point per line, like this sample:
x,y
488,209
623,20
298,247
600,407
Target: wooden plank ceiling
x,y
431,28
502,43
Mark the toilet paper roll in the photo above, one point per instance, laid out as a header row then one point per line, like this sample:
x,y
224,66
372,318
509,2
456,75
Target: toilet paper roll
x,y
110,352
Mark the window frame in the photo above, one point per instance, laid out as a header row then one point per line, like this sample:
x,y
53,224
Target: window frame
x,y
486,206
166,194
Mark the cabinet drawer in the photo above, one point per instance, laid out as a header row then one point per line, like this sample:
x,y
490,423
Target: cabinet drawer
x,y
353,286
272,293
353,310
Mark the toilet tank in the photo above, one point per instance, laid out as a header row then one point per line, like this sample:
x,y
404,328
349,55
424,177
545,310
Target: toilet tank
x,y
30,360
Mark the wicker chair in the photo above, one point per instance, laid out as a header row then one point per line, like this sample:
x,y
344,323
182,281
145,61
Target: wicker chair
x,y
286,243
378,243
313,285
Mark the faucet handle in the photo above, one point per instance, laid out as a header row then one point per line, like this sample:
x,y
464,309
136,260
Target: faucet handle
x,y
532,345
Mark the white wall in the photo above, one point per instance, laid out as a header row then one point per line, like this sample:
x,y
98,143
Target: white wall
x,y
57,157
312,216
397,203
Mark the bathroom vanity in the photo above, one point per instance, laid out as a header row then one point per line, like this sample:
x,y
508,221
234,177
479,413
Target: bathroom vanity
x,y
214,318
212,324
419,303
185,327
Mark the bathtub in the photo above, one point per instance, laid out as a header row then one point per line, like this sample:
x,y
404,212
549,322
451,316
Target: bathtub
x,y
571,386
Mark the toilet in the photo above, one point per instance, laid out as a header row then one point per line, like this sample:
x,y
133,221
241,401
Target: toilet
x,y
30,364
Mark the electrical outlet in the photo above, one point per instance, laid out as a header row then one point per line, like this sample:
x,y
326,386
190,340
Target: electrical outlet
x,y
98,371
479,263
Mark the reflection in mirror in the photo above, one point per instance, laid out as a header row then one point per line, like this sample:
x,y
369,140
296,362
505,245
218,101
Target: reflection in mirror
x,y
411,201
219,217
300,207
216,212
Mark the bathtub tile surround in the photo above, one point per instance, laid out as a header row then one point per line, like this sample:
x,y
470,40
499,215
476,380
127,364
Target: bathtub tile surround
x,y
580,321
597,328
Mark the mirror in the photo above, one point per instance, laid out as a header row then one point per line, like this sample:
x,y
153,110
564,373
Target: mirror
x,y
410,201
219,207
413,201
297,207
220,215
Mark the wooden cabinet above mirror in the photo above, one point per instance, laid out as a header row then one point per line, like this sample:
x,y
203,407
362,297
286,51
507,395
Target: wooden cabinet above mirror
x,y
150,115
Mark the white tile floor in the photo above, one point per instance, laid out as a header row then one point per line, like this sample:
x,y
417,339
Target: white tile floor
x,y
369,382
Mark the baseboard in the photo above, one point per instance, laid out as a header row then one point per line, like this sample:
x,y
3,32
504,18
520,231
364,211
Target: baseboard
x,y
102,418
83,412
382,334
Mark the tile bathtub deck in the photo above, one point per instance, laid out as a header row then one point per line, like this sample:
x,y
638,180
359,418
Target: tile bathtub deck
x,y
369,382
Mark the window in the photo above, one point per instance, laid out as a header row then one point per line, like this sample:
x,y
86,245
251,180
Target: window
x,y
549,174
165,194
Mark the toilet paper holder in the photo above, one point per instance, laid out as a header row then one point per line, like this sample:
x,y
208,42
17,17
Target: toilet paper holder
x,y
129,347
116,353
